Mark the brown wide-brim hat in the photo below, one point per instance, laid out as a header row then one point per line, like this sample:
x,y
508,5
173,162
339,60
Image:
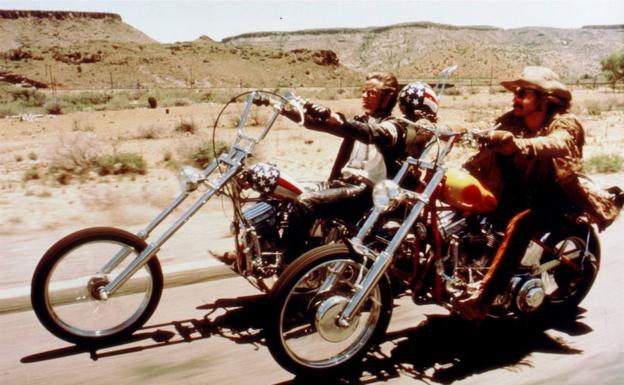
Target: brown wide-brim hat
x,y
544,80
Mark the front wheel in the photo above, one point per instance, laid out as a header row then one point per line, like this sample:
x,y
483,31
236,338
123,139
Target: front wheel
x,y
302,333
66,282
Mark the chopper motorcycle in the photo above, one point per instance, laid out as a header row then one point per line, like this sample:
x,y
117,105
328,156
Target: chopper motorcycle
x,y
99,285
334,302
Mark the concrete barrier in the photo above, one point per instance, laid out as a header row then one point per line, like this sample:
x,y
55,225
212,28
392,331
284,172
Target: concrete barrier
x,y
18,299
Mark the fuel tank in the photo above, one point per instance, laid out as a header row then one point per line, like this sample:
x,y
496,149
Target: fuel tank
x,y
267,179
287,187
464,192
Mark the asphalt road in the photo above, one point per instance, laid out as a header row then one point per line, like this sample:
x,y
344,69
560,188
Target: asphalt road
x,y
210,333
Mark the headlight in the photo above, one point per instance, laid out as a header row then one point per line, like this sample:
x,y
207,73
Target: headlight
x,y
190,178
385,194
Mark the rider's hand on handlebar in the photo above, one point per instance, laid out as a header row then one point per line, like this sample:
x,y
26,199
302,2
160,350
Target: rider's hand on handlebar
x,y
500,141
317,111
261,100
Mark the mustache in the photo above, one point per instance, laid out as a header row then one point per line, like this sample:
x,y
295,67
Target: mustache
x,y
517,105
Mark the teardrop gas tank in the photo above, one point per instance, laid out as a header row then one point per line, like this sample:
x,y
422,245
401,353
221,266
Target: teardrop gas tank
x,y
464,192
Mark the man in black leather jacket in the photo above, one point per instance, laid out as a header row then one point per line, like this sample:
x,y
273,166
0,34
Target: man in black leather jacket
x,y
373,148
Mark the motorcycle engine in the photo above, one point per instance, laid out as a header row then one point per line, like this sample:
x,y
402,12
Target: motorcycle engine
x,y
471,243
263,217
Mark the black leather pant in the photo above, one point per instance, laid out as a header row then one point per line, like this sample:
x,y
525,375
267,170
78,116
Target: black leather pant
x,y
334,199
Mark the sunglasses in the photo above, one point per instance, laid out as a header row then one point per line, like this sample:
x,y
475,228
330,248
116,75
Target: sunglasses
x,y
522,92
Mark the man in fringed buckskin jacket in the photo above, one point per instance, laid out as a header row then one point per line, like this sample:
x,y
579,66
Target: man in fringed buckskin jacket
x,y
534,161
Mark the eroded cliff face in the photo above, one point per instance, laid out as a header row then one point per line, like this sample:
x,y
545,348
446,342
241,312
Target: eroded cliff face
x,y
26,29
56,15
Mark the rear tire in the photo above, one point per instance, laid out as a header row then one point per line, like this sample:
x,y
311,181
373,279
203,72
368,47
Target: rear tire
x,y
301,333
567,286
65,282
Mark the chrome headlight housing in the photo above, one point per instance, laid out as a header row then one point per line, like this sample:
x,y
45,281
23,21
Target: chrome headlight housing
x,y
386,194
190,178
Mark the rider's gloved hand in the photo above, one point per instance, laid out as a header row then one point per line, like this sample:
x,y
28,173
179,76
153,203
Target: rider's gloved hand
x,y
500,141
317,111
261,100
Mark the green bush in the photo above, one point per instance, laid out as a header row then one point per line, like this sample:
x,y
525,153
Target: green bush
x,y
121,163
87,98
8,111
604,163
28,97
205,153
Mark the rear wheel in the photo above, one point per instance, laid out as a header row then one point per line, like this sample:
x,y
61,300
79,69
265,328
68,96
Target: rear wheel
x,y
303,334
567,284
66,283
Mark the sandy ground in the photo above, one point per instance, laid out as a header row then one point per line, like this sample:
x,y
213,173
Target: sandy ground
x,y
34,214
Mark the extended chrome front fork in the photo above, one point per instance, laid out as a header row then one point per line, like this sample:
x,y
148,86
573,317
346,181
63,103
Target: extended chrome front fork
x,y
233,162
384,259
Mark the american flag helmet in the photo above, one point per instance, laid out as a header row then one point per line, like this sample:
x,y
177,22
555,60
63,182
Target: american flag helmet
x,y
418,97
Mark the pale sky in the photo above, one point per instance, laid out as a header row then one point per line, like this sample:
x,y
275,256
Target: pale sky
x,y
185,20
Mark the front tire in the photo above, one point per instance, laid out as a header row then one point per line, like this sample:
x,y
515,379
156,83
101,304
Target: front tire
x,y
302,334
65,285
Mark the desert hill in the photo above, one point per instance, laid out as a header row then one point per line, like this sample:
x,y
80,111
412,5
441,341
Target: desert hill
x,y
56,28
415,50
96,50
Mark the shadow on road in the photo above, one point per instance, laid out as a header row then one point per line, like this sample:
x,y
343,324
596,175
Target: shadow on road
x,y
237,319
446,349
442,348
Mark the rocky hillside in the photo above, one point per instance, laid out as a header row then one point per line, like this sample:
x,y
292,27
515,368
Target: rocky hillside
x,y
98,50
56,28
421,49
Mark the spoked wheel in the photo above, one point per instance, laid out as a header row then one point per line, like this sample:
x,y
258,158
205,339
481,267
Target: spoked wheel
x,y
303,334
65,288
567,284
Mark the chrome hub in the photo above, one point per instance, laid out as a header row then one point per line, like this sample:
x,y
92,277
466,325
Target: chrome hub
x,y
531,295
326,320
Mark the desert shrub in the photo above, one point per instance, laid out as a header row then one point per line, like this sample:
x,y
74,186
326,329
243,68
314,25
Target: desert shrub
x,y
18,158
186,126
7,111
604,163
594,107
120,163
205,153
152,102
453,91
28,97
32,156
149,132
76,153
31,174
54,108
87,98
181,102
77,126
